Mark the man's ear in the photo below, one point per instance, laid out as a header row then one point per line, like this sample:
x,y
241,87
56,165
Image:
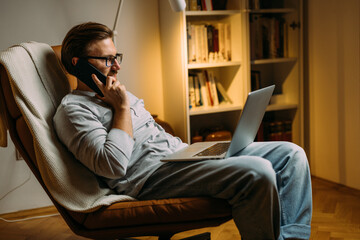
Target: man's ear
x,y
74,60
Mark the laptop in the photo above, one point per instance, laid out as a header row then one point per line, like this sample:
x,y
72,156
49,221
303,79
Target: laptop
x,y
244,134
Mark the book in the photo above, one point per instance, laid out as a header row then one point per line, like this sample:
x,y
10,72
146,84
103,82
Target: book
x,y
221,30
254,4
287,131
191,43
192,101
260,134
193,5
255,37
255,80
197,87
198,42
223,92
199,7
204,46
203,90
274,131
210,30
207,5
227,36
216,39
208,88
213,88
285,39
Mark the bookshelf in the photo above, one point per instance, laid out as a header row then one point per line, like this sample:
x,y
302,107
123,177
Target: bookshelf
x,y
275,29
233,73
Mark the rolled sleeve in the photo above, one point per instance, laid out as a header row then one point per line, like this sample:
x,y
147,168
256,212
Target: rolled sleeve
x,y
122,140
113,158
103,150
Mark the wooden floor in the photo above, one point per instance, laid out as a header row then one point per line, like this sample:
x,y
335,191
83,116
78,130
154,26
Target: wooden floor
x,y
336,216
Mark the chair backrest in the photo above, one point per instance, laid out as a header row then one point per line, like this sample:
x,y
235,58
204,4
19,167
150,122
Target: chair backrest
x,y
23,139
72,79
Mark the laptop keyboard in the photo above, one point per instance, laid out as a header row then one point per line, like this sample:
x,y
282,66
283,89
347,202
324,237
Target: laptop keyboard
x,y
214,150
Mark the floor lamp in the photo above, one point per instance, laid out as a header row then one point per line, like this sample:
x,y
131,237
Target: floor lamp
x,y
176,5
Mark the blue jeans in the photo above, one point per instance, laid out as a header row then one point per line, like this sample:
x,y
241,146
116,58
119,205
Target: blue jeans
x,y
267,184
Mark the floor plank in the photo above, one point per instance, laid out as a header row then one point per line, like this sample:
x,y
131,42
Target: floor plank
x,y
336,216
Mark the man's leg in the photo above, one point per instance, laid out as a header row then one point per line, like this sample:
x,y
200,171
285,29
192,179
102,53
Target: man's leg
x,y
247,182
294,185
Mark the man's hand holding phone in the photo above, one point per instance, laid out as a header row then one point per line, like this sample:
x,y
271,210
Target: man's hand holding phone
x,y
116,96
114,92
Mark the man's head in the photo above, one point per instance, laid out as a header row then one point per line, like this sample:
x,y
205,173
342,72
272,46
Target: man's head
x,y
88,39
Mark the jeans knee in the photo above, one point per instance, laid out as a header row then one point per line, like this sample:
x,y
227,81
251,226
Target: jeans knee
x,y
299,158
263,172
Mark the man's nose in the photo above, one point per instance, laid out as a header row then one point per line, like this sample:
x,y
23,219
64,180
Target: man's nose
x,y
116,65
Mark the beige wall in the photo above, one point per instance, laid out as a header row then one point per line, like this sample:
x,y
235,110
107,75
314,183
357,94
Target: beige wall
x,y
334,90
48,21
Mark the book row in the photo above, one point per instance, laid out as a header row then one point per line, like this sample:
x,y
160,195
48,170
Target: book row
x,y
275,131
209,43
269,37
265,4
205,90
205,5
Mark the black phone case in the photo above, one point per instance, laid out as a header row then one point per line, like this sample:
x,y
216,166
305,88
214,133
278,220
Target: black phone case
x,y
84,70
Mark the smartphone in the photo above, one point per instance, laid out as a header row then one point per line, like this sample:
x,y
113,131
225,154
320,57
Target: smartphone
x,y
84,70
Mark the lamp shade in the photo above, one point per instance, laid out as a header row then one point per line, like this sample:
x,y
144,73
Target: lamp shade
x,y
177,5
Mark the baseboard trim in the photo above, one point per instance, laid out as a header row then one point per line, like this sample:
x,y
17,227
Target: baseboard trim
x,y
23,214
337,186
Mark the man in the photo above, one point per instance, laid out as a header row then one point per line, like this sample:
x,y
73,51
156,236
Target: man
x,y
267,184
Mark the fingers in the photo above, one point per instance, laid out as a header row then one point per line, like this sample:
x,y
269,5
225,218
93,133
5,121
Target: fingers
x,y
97,82
114,92
110,83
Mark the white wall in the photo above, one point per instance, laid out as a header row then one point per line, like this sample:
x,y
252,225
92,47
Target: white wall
x,y
48,21
334,90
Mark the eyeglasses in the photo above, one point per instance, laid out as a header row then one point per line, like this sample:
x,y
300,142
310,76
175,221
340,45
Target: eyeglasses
x,y
110,60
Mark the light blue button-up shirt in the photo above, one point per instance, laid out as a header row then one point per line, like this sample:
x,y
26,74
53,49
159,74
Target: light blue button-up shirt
x,y
83,123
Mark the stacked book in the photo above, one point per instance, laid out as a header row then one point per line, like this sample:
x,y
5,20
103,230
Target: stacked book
x,y
209,43
205,5
275,131
205,90
269,37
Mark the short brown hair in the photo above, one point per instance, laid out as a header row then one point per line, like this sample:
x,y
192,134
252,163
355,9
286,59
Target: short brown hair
x,y
78,40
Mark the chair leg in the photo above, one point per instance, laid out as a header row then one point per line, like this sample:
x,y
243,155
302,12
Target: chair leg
x,y
165,237
202,236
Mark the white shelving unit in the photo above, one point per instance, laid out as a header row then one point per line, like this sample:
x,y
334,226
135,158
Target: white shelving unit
x,y
234,75
285,71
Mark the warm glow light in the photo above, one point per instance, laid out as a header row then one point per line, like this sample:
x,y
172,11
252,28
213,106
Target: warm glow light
x,y
177,5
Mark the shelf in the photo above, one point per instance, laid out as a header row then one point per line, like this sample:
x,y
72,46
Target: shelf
x,y
272,60
273,10
213,65
229,107
212,13
214,109
280,106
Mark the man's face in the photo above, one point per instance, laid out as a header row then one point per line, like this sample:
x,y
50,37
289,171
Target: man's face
x,y
104,48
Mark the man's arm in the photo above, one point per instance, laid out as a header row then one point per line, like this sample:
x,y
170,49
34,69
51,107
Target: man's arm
x,y
105,152
115,95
